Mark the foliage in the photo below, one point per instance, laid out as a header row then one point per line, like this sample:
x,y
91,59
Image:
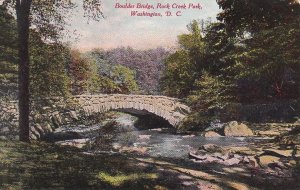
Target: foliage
x,y
8,54
91,74
251,55
48,68
266,54
269,65
80,71
28,17
210,95
255,15
183,65
179,75
147,65
125,79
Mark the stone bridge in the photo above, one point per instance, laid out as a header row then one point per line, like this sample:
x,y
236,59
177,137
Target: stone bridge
x,y
53,112
171,109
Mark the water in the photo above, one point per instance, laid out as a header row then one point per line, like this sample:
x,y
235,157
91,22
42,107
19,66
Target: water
x,y
157,142
174,145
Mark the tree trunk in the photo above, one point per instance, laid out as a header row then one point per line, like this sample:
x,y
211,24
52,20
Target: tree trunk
x,y
23,21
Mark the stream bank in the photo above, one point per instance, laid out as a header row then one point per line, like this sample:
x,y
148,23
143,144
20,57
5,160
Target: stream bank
x,y
261,159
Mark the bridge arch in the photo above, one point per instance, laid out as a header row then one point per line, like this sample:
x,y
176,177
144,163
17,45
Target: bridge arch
x,y
171,109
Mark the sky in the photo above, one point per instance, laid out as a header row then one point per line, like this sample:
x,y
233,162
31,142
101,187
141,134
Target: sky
x,y
118,28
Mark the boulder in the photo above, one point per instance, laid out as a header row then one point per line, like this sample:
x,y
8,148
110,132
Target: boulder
x,y
234,129
210,134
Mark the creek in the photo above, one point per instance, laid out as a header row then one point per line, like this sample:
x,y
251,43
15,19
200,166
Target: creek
x,y
114,134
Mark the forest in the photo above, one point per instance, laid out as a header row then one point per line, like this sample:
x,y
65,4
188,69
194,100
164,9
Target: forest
x,y
249,56
58,70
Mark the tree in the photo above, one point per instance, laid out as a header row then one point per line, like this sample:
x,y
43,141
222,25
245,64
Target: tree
x,y
48,68
147,64
186,64
209,95
111,77
265,59
32,12
80,72
269,65
179,75
23,22
125,79
255,15
8,54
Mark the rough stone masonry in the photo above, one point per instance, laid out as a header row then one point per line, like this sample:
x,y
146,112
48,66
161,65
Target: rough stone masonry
x,y
171,109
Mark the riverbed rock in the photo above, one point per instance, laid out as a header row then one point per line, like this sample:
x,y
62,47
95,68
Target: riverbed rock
x,y
211,148
57,120
265,160
252,161
211,159
293,139
297,151
269,133
187,183
278,153
144,137
210,134
232,161
79,143
47,128
234,129
243,150
4,130
73,115
297,122
35,132
39,128
193,155
138,150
